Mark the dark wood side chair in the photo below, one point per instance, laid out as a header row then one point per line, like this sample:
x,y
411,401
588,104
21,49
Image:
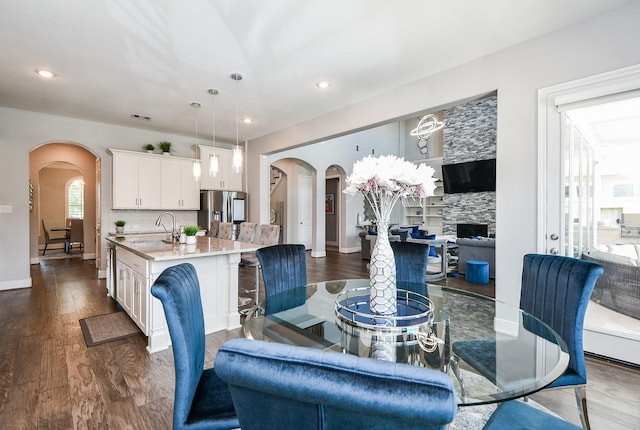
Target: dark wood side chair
x,y
48,240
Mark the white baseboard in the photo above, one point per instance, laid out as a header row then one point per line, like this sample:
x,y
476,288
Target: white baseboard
x,y
15,283
349,250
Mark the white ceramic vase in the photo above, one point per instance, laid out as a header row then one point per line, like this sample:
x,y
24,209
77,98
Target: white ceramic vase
x,y
191,240
382,274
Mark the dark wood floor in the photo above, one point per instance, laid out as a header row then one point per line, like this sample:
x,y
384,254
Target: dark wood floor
x,y
49,379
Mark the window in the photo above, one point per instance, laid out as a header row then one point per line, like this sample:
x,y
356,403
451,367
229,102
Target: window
x,y
75,198
623,190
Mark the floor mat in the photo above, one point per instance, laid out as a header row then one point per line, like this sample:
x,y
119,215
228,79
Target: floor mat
x,y
107,328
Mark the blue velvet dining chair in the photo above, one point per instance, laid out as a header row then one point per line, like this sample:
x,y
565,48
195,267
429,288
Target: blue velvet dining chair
x,y
278,386
202,400
555,289
284,272
411,265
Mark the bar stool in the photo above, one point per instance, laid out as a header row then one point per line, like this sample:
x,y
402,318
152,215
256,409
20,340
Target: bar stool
x,y
267,235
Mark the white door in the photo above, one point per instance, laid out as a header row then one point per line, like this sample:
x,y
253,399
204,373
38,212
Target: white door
x,y
587,181
305,210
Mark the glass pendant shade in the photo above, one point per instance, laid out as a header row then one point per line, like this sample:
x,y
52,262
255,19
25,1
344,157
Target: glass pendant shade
x,y
237,152
197,167
237,159
214,160
197,170
214,165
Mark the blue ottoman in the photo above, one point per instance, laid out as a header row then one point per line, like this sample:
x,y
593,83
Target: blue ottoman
x,y
477,272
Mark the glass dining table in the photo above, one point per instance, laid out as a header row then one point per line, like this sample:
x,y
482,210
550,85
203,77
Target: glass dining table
x,y
524,355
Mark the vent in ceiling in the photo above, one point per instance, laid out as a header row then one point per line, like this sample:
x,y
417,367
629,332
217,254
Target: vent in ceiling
x,y
142,117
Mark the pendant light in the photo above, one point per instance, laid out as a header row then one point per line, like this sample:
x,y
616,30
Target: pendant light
x,y
427,126
237,152
197,168
214,160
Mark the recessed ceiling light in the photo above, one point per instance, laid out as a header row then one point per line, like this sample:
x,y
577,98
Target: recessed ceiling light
x,y
323,84
45,73
247,120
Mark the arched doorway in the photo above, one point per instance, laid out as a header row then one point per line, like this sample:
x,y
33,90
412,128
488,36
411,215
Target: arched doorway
x,y
294,198
51,166
56,182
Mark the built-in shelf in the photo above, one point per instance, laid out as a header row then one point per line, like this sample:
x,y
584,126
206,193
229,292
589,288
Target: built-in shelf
x,y
427,211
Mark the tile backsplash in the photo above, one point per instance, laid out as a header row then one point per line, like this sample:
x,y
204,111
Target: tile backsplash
x,y
144,221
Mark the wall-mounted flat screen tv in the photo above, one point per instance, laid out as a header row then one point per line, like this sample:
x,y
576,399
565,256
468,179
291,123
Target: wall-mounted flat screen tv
x,y
469,177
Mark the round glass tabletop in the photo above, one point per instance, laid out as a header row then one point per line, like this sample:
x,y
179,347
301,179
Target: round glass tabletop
x,y
493,351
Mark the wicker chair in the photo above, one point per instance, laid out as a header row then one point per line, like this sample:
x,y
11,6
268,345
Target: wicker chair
x,y
618,288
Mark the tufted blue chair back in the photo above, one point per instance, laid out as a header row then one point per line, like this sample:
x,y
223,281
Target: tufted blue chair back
x,y
411,265
557,289
284,272
200,396
278,386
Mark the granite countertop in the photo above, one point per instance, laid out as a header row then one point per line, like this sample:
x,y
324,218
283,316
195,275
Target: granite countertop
x,y
152,247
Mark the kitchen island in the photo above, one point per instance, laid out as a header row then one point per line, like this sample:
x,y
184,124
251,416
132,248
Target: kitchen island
x,y
136,261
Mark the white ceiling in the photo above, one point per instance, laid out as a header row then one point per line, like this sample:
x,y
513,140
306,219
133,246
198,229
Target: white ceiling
x,y
114,58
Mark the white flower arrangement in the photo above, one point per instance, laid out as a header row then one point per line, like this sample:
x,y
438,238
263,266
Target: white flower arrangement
x,y
386,179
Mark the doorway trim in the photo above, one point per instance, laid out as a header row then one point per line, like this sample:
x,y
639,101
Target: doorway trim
x,y
604,87
88,173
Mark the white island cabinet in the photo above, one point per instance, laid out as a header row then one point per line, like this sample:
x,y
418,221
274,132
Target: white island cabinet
x,y
140,260
133,278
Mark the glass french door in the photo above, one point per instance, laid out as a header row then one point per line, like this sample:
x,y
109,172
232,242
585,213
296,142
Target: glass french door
x,y
588,186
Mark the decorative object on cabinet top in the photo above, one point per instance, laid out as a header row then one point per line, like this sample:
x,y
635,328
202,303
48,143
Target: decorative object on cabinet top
x,y
165,147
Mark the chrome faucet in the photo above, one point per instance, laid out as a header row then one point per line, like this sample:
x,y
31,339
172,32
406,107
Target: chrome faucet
x,y
174,232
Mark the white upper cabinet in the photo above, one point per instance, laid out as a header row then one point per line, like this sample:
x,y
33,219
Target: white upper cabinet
x,y
135,181
180,190
226,179
148,181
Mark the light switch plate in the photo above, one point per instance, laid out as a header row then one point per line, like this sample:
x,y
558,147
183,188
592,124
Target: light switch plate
x,y
5,209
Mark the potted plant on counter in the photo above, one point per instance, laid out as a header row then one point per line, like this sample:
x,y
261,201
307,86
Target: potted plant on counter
x,y
120,226
149,147
190,231
165,147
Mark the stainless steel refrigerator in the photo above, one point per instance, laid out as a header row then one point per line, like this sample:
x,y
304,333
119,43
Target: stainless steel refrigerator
x,y
225,206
